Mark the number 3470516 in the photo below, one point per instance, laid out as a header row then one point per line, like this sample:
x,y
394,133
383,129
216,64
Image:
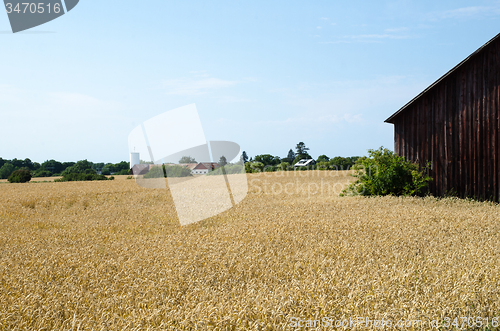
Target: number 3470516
x,y
33,8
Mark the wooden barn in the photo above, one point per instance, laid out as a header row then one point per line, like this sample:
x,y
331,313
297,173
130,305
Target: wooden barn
x,y
455,124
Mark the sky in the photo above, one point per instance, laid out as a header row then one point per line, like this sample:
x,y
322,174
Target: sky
x,y
263,74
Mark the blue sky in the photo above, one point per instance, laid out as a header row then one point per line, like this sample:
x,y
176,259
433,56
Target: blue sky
x,y
264,74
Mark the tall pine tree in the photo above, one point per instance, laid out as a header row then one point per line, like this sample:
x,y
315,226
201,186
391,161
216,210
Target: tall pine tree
x,y
244,157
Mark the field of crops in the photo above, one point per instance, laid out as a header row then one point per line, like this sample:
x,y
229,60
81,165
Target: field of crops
x,y
112,256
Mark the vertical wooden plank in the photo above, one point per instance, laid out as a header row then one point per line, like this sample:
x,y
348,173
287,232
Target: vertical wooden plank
x,y
489,121
430,141
480,130
396,136
496,105
455,153
442,146
437,144
425,133
412,134
403,134
416,127
447,146
483,127
496,125
455,131
471,135
475,129
463,135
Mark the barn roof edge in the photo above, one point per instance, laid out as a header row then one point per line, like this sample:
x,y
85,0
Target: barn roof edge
x,y
391,118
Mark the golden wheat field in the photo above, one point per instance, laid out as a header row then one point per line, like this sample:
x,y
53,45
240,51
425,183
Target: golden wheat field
x,y
112,256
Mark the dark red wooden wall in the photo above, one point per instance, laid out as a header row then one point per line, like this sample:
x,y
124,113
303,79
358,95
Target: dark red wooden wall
x,y
455,125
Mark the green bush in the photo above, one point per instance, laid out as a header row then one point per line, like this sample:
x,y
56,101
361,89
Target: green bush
x,y
155,172
322,158
235,169
267,159
123,172
283,166
269,168
6,170
385,173
42,173
322,165
170,171
87,176
177,171
20,176
229,169
342,163
255,167
248,167
80,167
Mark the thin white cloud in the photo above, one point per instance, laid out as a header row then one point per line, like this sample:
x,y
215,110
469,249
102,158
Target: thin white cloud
x,y
54,103
367,38
400,29
192,86
471,12
9,93
200,73
233,99
336,42
75,99
324,18
350,102
251,79
378,36
313,121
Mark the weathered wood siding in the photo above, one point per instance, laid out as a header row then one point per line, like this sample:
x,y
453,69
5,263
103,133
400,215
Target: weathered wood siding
x,y
455,125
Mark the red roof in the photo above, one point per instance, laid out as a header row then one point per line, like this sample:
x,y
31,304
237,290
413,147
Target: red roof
x,y
189,166
200,166
211,165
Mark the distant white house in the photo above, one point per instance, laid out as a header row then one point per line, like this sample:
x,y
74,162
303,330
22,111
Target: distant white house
x,y
204,168
200,169
305,163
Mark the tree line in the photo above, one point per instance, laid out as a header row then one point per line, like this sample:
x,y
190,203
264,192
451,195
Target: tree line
x,y
269,163
258,163
55,168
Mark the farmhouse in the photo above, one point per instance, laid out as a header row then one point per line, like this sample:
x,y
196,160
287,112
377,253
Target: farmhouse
x,y
455,124
304,163
200,169
204,168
